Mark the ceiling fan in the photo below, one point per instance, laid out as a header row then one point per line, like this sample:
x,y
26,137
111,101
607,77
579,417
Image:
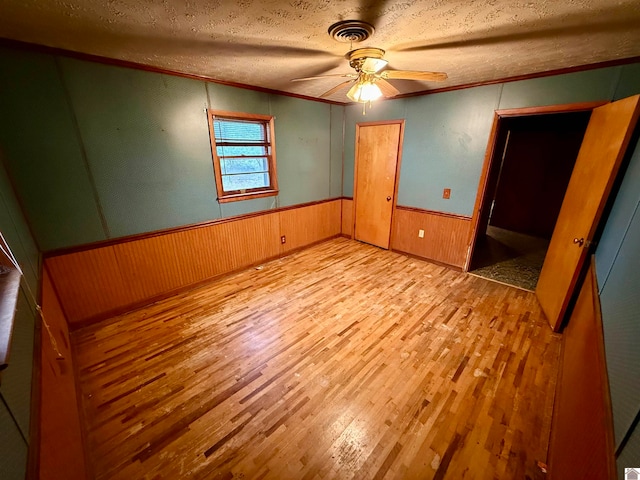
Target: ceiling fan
x,y
369,82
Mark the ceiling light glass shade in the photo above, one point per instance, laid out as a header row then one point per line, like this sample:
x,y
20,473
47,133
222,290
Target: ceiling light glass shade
x,y
373,65
364,92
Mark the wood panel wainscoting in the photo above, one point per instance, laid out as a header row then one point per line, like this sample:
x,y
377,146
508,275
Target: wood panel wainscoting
x,y
100,280
60,444
307,225
445,235
347,217
582,443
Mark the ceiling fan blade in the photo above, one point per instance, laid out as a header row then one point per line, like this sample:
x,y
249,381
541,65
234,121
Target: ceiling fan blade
x,y
211,46
303,79
226,48
412,75
338,87
554,28
387,89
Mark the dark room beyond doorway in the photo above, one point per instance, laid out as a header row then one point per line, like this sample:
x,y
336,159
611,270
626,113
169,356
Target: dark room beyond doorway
x,y
526,187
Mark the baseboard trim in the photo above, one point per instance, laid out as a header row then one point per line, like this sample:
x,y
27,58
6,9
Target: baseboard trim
x,y
430,260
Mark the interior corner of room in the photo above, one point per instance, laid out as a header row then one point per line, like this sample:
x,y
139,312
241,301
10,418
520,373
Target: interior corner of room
x,y
108,201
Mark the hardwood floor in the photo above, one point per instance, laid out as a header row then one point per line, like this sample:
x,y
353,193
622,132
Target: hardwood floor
x,y
339,361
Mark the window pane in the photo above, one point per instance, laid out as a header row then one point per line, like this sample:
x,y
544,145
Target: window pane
x,y
238,131
228,151
244,165
245,181
242,155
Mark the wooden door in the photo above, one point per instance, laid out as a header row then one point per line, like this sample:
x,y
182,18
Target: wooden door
x,y
582,443
377,158
599,159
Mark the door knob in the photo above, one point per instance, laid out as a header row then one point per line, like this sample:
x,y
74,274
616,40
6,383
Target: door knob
x,y
388,199
578,241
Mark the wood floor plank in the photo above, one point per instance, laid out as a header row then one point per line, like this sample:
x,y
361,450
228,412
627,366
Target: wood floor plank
x,y
339,361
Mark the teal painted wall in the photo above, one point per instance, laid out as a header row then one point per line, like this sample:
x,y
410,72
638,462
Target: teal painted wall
x,y
630,456
619,219
618,267
146,140
446,134
444,142
620,300
586,86
97,151
443,134
42,152
618,271
337,144
303,143
15,387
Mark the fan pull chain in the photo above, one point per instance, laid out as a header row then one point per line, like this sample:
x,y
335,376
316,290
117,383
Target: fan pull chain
x,y
364,107
52,339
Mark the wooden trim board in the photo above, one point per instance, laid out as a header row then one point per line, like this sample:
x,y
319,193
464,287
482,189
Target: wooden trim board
x,y
183,228
433,212
150,68
61,442
494,143
582,443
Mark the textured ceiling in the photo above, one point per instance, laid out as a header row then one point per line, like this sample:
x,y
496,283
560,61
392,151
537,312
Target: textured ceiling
x,y
266,43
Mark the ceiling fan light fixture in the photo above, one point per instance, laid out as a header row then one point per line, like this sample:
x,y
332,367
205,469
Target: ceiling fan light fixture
x,y
373,65
364,92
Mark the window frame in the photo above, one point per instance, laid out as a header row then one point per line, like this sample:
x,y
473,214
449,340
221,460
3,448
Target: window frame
x,y
268,124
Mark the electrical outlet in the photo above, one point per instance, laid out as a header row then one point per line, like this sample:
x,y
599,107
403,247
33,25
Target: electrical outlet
x,y
283,239
446,193
421,233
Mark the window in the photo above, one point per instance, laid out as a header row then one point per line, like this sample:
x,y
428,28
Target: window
x,y
244,155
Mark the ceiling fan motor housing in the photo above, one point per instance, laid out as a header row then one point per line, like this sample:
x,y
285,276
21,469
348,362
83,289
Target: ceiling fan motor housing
x,y
359,56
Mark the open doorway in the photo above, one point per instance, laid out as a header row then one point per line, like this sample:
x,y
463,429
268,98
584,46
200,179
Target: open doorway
x,y
529,173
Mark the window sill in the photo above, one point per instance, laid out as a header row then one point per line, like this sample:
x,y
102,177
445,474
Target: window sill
x,y
248,196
